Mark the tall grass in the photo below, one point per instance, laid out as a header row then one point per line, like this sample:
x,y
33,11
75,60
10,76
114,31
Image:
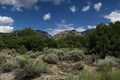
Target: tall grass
x,y
105,74
108,74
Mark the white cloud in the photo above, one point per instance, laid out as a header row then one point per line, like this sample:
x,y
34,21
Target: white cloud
x,y
56,2
113,16
73,9
47,16
19,4
91,27
6,24
63,27
4,20
86,8
97,6
6,29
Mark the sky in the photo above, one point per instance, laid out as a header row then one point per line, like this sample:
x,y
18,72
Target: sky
x,y
55,16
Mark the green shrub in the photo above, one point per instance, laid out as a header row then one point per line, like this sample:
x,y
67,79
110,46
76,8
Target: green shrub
x,y
33,54
53,50
74,55
22,49
90,59
41,57
108,61
12,52
51,58
31,70
78,66
8,66
2,58
22,61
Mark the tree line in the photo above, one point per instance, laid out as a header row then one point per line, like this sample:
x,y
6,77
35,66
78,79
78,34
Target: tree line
x,y
104,40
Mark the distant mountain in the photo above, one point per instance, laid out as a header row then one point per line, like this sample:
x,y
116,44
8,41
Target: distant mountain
x,y
67,33
71,33
44,34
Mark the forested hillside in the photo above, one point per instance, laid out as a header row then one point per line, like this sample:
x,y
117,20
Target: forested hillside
x,y
104,40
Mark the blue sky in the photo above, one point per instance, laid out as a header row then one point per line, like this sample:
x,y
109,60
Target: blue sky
x,y
55,16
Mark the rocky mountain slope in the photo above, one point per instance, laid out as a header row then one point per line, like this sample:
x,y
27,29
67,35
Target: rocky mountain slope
x,y
67,33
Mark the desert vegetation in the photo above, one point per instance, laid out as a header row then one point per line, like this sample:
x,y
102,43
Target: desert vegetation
x,y
93,56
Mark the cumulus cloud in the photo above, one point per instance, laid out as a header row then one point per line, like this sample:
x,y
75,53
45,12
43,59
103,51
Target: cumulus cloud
x,y
6,24
63,27
47,16
113,16
56,2
6,29
4,20
86,8
97,6
19,4
73,9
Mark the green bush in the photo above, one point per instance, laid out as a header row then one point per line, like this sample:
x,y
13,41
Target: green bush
x,y
12,52
7,66
22,61
55,50
2,58
41,57
90,59
108,61
78,66
51,58
31,70
74,55
22,49
33,54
